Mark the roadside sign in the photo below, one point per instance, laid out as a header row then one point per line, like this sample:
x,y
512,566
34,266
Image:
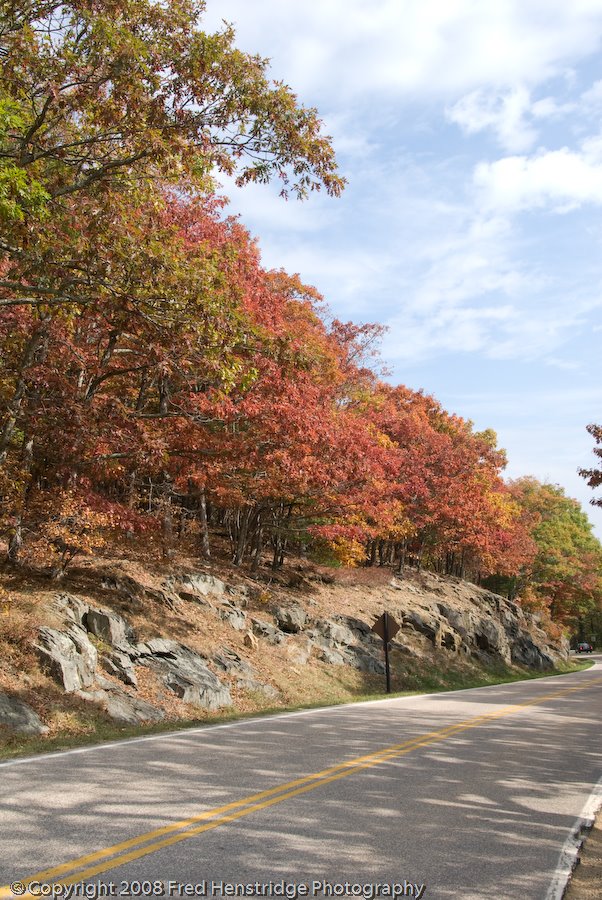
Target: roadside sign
x,y
386,628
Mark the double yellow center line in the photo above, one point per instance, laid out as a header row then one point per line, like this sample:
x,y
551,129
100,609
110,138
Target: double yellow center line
x,y
92,864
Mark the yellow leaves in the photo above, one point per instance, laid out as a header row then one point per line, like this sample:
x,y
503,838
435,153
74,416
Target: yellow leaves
x,y
348,552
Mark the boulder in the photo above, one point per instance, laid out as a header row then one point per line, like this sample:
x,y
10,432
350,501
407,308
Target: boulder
x,y
185,672
265,630
120,665
525,652
70,658
86,652
160,647
199,584
364,661
109,627
291,619
131,710
72,607
250,640
201,689
331,657
338,635
123,584
229,661
120,705
18,716
234,616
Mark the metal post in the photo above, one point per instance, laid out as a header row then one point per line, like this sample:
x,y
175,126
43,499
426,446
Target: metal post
x,y
386,640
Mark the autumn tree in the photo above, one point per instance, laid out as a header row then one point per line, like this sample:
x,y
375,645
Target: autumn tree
x,y
104,106
594,476
564,578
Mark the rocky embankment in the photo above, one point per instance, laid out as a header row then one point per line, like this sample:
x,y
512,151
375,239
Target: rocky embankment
x,y
203,644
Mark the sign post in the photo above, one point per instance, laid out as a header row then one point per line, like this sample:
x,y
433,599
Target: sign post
x,y
386,627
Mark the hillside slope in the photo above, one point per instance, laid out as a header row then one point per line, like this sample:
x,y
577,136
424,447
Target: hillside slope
x,y
123,644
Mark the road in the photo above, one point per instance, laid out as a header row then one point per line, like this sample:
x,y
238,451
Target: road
x,y
467,794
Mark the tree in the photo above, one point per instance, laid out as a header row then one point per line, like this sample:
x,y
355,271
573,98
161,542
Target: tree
x,y
121,325
565,576
594,476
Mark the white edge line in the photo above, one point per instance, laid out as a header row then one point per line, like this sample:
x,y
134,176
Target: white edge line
x,y
570,852
183,732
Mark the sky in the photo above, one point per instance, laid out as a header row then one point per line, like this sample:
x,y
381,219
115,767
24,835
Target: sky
x,y
470,134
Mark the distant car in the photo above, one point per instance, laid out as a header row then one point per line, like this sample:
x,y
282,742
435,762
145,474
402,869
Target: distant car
x,y
584,647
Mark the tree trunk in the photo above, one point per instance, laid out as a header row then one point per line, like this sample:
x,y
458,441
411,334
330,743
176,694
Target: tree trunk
x,y
32,348
402,558
205,546
16,542
241,544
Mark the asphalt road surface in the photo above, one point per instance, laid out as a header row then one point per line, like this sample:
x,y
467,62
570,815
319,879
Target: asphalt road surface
x,y
468,794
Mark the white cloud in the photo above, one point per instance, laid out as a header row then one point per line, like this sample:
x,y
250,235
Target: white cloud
x,y
511,114
504,113
344,48
562,179
592,98
549,108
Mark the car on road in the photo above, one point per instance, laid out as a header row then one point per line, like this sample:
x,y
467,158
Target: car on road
x,y
584,647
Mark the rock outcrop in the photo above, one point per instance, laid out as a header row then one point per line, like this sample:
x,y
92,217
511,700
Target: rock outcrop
x,y
96,655
73,660
18,716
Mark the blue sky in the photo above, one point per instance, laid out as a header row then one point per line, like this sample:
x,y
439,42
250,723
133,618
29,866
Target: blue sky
x,y
471,137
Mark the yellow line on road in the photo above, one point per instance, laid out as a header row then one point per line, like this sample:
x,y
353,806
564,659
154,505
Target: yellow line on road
x,y
152,841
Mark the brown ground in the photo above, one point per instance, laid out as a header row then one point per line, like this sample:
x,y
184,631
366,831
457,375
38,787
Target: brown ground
x,y
586,882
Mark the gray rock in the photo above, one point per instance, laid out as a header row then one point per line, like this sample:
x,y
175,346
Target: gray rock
x,y
336,634
265,630
123,584
250,640
185,672
364,661
192,597
120,706
291,619
72,607
69,658
18,716
87,655
120,665
163,595
160,647
229,661
234,616
131,710
205,690
108,626
200,584
361,630
491,638
258,687
460,621
428,626
525,652
331,657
